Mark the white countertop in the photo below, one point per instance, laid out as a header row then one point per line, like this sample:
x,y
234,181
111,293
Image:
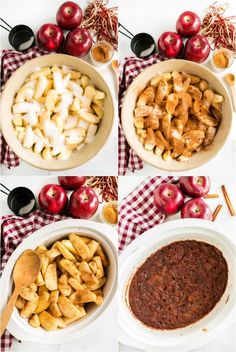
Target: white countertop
x,y
226,342
99,340
156,17
34,13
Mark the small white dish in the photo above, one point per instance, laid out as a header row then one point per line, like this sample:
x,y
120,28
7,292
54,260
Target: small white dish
x,y
204,330
228,53
92,56
19,327
104,205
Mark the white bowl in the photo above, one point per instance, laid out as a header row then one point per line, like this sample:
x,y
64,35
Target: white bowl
x,y
138,85
76,158
47,235
136,253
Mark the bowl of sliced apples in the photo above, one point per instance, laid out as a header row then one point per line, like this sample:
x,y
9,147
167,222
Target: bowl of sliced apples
x,y
176,115
57,112
73,292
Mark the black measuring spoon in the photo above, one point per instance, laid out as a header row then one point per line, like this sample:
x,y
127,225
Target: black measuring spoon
x,y
142,44
20,200
21,37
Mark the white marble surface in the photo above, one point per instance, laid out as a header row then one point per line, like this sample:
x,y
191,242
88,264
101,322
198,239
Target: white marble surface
x,y
225,342
103,338
34,13
156,17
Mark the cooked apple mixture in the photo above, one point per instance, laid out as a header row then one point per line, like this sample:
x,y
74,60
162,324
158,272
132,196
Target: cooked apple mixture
x,y
71,277
178,285
177,115
57,110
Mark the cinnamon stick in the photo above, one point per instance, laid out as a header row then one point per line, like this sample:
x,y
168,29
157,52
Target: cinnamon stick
x,y
228,201
216,211
211,196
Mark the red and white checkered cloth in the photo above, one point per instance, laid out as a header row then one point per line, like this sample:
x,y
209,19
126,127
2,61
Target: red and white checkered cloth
x,y
130,67
11,60
14,230
137,211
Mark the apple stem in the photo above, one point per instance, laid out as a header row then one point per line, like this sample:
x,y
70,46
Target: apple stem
x,y
85,196
199,181
187,18
69,10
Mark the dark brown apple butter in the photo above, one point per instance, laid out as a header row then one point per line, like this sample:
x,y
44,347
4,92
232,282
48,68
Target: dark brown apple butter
x,y
178,285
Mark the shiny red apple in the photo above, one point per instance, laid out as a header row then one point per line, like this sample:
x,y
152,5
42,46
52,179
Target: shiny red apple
x,y
195,186
50,37
69,15
83,203
71,182
188,24
52,199
170,44
168,198
197,48
78,42
196,208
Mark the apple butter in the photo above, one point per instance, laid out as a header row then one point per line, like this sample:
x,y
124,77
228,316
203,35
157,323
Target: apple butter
x,y
178,285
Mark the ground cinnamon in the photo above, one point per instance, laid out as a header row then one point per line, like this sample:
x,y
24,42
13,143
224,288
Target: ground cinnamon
x,y
221,59
110,213
101,53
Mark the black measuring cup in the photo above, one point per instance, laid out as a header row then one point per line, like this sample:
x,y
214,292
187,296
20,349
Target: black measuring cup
x,y
20,200
142,44
21,37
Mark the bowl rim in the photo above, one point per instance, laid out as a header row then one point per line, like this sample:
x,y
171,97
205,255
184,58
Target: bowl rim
x,y
32,161
54,229
164,167
150,241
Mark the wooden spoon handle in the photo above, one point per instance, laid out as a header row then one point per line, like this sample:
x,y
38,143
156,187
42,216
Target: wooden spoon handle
x,y
233,97
6,314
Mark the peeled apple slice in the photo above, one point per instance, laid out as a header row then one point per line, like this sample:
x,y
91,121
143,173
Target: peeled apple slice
x,y
91,133
88,116
75,88
70,122
29,139
74,136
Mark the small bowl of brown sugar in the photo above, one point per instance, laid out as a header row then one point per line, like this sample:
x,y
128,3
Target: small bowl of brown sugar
x,y
101,53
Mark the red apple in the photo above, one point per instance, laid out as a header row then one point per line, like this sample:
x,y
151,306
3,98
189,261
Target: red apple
x,y
71,182
170,44
197,48
50,37
168,198
188,24
78,42
196,208
69,15
52,198
83,203
195,186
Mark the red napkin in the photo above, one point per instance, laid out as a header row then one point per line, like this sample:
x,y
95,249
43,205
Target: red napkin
x,y
137,211
11,60
130,67
14,230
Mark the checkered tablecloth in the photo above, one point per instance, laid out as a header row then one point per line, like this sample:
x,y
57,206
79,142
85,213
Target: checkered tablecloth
x,y
130,67
137,211
11,60
14,230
